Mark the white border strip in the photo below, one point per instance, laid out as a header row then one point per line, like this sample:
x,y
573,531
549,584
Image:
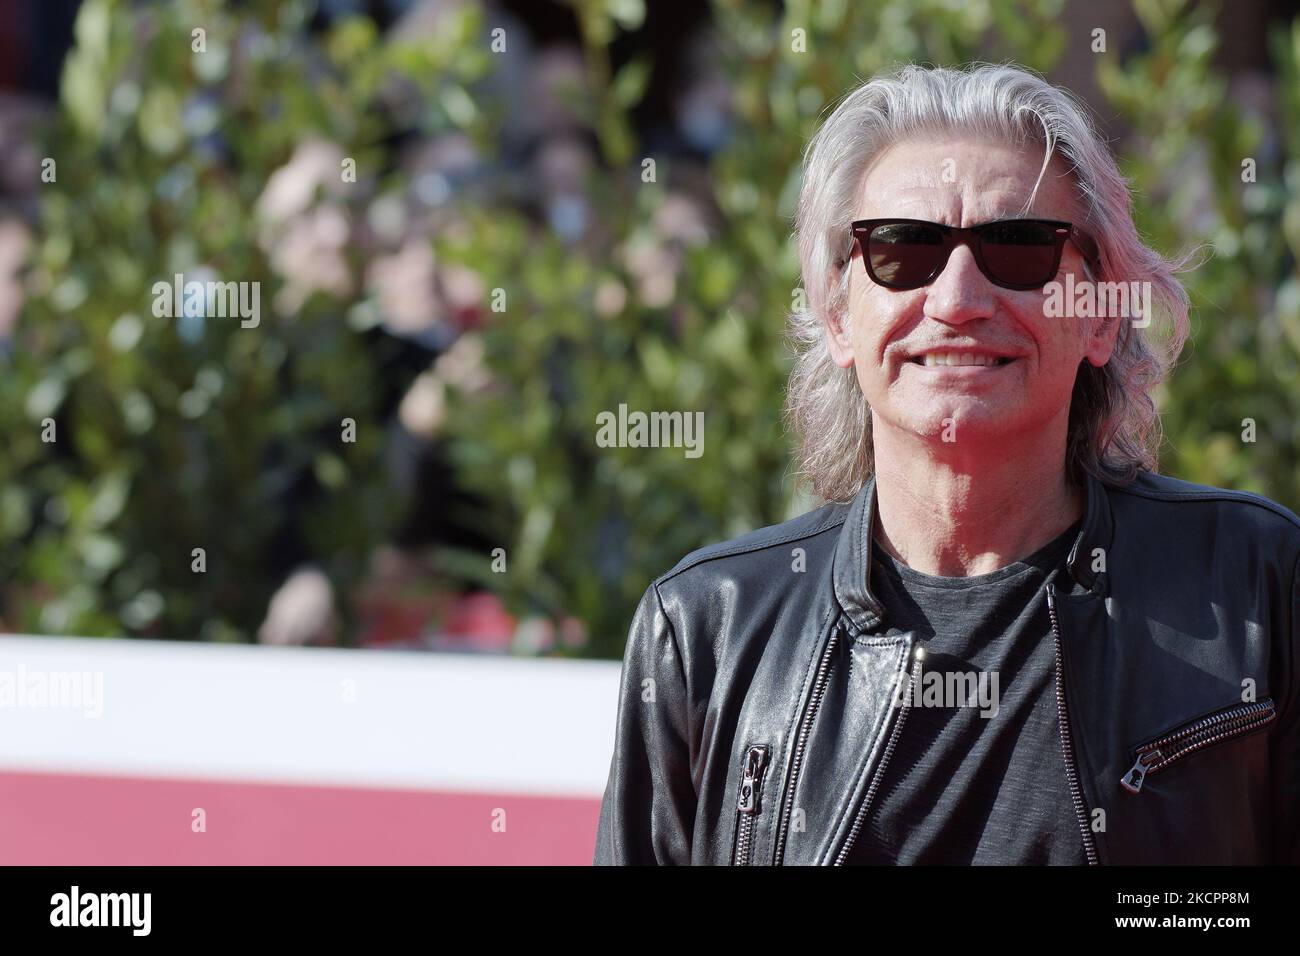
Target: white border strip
x,y
436,721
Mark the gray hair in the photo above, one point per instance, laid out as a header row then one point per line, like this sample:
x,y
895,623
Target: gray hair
x,y
1114,427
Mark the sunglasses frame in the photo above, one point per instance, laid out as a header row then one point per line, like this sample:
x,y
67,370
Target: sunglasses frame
x,y
1063,232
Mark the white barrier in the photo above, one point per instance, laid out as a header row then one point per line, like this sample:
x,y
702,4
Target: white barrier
x,y
434,721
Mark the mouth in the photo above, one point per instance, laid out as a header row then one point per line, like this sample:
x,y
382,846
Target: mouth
x,y
961,360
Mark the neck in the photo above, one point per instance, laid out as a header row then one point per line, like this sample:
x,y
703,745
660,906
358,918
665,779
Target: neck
x,y
956,514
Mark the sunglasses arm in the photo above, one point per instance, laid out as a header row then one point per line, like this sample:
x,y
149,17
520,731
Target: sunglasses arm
x,y
1088,246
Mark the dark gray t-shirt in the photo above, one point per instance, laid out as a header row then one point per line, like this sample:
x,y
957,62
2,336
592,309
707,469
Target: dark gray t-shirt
x,y
962,788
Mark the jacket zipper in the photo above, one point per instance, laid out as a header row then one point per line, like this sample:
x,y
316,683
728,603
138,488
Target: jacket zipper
x,y
751,783
912,678
1067,741
1160,753
801,741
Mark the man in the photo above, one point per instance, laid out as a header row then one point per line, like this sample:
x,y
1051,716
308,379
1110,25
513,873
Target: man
x,y
1004,639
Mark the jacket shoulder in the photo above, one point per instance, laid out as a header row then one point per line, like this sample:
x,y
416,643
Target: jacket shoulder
x,y
817,528
1259,519
1248,503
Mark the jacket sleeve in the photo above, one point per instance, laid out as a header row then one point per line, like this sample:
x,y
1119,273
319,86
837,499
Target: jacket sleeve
x,y
1286,753
648,812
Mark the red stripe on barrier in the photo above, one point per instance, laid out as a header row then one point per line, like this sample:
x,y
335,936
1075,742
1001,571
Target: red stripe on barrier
x,y
85,820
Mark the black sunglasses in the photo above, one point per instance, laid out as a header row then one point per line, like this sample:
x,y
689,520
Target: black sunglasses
x,y
1012,253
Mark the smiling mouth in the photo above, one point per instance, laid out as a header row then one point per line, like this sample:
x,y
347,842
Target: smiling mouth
x,y
959,360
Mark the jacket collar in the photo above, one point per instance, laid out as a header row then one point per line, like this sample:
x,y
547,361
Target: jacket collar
x,y
851,569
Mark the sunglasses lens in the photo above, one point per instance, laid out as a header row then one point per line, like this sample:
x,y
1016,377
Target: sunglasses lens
x,y
1020,253
905,254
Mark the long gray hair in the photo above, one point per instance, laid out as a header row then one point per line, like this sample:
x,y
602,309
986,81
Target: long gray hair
x,y
1114,427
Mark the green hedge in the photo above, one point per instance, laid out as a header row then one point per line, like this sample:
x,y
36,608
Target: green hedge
x,y
167,443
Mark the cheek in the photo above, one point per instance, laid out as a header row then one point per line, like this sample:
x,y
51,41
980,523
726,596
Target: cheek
x,y
870,371
1055,340
1061,342
866,362
1060,355
861,336
873,316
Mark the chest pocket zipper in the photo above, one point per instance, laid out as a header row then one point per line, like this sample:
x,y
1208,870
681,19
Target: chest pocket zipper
x,y
1160,753
747,808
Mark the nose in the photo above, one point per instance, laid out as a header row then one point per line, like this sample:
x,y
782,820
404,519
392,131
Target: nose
x,y
960,292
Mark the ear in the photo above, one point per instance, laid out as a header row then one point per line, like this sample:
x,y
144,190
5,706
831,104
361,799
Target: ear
x,y
1102,339
838,339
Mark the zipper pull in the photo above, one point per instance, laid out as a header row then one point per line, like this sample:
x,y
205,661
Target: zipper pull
x,y
754,761
1132,781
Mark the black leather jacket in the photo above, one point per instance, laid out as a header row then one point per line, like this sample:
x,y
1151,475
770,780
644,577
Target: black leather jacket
x,y
755,701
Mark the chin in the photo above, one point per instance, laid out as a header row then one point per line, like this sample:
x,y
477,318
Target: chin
x,y
969,419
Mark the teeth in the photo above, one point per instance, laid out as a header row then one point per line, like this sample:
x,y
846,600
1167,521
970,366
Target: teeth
x,y
958,358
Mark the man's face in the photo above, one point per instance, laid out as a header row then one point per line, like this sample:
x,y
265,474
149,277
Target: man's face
x,y
961,311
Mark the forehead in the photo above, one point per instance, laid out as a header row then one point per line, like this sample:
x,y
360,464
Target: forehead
x,y
964,181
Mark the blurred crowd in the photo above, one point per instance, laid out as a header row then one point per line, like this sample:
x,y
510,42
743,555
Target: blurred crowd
x,y
431,308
